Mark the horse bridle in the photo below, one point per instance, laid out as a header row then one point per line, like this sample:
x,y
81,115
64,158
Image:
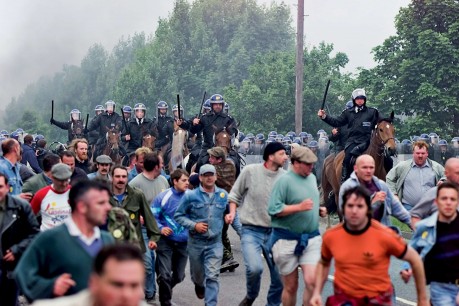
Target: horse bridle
x,y
382,146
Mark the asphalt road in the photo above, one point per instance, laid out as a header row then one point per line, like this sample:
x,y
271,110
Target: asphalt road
x,y
232,284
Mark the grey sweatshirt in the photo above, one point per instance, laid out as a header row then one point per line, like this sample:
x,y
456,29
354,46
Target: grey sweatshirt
x,y
251,193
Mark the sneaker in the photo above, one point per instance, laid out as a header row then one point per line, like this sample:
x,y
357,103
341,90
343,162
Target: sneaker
x,y
229,265
200,291
150,300
246,302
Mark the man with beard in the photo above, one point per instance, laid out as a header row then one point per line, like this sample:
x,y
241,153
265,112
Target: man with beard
x,y
80,148
58,262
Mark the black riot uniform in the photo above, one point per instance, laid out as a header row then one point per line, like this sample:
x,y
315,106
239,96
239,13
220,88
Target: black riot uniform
x,y
74,127
102,124
161,122
137,129
360,121
206,125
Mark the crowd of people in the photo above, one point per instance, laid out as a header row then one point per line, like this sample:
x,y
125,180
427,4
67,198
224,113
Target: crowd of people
x,y
81,230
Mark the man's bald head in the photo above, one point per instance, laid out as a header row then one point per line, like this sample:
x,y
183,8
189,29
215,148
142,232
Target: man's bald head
x,y
364,158
364,168
452,170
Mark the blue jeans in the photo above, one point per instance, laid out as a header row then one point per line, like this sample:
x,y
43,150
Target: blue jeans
x,y
407,206
237,226
254,242
205,262
443,294
149,262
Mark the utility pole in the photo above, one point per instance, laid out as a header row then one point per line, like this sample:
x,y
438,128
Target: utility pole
x,y
299,70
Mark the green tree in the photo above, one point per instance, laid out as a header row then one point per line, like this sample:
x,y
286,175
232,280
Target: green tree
x,y
265,100
418,73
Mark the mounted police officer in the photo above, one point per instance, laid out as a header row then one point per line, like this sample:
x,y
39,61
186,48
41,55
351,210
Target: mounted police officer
x,y
74,127
138,127
161,120
196,149
127,113
360,121
94,135
103,123
208,123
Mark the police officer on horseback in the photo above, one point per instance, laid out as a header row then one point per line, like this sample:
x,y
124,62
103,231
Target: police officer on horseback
x,y
196,148
94,135
106,121
138,127
161,120
74,126
360,121
208,124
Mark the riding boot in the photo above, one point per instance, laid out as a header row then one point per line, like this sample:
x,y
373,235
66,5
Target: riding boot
x,y
344,174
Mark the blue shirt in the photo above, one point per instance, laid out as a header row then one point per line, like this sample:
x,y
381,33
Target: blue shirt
x,y
163,208
13,175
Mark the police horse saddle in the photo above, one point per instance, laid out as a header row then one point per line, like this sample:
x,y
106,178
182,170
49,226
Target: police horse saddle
x,y
382,145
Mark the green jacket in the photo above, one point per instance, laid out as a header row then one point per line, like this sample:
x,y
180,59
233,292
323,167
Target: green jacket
x,y
396,177
35,183
136,205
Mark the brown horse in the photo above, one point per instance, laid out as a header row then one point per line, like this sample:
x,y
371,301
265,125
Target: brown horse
x,y
179,148
382,144
148,141
112,148
222,139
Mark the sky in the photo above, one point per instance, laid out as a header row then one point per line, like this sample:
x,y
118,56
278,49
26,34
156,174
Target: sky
x,y
39,37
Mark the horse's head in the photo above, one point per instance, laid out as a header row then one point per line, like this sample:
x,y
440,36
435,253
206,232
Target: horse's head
x,y
222,138
148,141
385,131
113,138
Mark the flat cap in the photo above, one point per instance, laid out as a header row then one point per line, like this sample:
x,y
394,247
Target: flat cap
x,y
61,172
304,155
217,152
103,159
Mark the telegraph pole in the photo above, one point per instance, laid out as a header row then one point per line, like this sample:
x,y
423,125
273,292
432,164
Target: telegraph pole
x,y
299,70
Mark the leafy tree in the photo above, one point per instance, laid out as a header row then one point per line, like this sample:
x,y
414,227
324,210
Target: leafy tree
x,y
264,100
418,72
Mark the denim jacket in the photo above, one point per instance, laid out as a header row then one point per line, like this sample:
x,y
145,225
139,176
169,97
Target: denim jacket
x,y
424,237
196,206
392,206
14,176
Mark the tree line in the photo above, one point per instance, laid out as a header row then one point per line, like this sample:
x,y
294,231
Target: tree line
x,y
246,52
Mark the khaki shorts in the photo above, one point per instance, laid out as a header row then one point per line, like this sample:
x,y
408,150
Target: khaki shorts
x,y
285,259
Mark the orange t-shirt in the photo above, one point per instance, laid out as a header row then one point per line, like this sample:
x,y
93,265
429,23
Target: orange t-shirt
x,y
362,260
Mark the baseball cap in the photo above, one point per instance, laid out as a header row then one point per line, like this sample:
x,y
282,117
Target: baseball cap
x,y
207,169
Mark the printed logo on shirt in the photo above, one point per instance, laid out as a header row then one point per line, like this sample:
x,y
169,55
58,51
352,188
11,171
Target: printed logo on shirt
x,y
366,124
424,235
222,195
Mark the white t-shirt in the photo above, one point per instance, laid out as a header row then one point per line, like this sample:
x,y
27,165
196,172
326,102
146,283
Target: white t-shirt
x,y
53,206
